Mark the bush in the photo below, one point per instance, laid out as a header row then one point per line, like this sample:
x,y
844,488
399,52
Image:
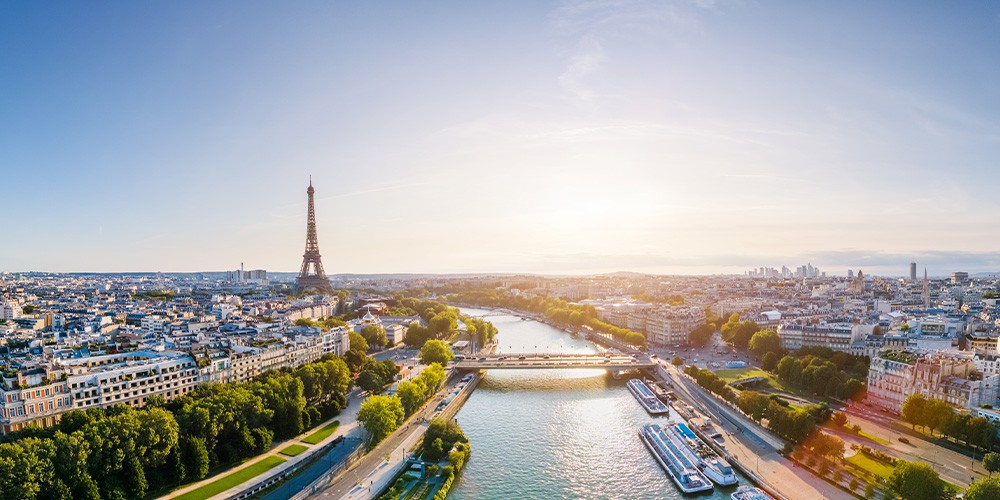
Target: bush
x,y
839,419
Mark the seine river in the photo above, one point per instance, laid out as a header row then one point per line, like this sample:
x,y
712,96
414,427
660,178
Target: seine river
x,y
556,433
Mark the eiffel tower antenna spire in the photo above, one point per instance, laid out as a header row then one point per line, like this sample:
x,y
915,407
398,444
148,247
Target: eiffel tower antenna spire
x,y
311,276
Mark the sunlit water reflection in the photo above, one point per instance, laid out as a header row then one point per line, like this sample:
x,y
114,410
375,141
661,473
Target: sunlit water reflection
x,y
556,433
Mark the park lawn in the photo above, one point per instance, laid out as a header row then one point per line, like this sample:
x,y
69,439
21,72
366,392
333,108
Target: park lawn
x,y
239,477
874,438
322,434
734,374
293,450
869,464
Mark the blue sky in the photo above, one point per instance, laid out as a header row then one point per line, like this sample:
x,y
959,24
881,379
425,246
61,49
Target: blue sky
x,y
558,137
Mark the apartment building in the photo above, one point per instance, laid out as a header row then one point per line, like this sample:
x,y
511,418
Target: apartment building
x,y
130,378
672,325
952,377
40,405
836,336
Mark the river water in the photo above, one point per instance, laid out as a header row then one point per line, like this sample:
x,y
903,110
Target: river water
x,y
556,433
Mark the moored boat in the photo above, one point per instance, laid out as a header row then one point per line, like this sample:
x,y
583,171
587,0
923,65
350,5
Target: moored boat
x,y
708,461
668,453
646,398
750,493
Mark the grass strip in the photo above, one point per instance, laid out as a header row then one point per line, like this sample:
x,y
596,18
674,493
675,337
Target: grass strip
x,y
869,464
293,450
239,477
322,434
873,438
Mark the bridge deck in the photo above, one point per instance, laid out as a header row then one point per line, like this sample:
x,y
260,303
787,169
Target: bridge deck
x,y
538,361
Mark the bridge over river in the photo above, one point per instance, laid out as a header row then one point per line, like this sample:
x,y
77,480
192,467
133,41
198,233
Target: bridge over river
x,y
555,360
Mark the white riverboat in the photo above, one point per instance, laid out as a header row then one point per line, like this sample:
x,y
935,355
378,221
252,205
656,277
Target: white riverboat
x,y
668,453
646,398
750,493
708,461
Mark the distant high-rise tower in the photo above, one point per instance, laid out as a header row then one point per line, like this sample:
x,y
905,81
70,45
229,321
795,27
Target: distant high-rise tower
x,y
913,271
925,291
311,276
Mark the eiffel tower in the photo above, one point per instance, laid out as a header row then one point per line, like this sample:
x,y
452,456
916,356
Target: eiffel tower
x,y
311,276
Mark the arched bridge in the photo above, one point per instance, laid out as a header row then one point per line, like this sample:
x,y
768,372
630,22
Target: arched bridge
x,y
554,360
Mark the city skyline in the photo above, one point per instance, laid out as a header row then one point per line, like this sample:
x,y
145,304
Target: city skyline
x,y
560,138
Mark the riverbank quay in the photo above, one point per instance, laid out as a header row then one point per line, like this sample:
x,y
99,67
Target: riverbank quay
x,y
749,447
377,470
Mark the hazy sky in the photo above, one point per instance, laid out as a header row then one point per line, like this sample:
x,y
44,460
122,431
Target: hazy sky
x,y
558,137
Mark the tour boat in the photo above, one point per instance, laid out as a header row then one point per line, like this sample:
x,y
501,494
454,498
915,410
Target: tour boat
x,y
668,453
708,461
750,493
646,398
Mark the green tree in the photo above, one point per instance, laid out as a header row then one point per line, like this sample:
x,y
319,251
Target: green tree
x,y
443,323
358,342
370,381
770,361
305,322
937,414
991,462
380,416
915,481
26,469
195,457
416,334
375,335
914,410
432,378
839,419
701,335
434,451
765,341
436,351
70,461
677,361
411,394
984,489
356,356
332,322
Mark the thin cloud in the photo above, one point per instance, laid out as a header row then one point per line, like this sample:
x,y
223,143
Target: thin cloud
x,y
586,61
348,194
